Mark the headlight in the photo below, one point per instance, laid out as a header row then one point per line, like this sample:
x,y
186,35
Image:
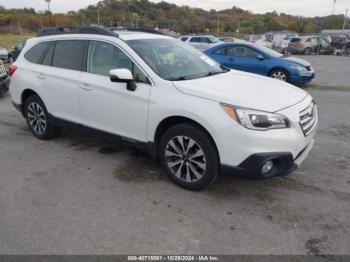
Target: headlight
x,y
256,120
299,68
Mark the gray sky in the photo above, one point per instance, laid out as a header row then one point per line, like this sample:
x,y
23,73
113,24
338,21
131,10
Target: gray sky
x,y
296,7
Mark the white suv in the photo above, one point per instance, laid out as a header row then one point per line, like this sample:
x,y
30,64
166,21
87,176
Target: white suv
x,y
163,96
201,42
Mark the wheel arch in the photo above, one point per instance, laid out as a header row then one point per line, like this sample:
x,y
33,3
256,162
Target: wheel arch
x,y
25,95
170,121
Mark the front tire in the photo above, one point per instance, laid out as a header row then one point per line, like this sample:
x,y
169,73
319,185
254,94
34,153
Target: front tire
x,y
189,157
280,74
38,119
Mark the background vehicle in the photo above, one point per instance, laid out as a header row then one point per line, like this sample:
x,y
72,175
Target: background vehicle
x,y
4,78
165,97
340,44
258,39
281,42
263,61
229,39
200,42
308,45
3,54
16,50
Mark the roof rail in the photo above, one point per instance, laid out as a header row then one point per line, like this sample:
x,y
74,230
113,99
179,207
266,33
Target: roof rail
x,y
94,30
144,30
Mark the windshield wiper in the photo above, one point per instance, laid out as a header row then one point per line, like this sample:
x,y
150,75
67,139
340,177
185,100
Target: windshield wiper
x,y
216,73
181,78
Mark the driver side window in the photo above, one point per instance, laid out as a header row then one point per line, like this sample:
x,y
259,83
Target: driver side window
x,y
103,57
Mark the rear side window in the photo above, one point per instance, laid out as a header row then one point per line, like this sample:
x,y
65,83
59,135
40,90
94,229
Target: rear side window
x,y
35,54
69,54
195,40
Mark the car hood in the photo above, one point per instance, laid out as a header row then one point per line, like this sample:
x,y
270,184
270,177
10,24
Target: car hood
x,y
296,60
244,90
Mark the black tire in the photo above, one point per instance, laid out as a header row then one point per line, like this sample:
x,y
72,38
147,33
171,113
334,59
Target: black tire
x,y
280,71
188,169
38,119
307,51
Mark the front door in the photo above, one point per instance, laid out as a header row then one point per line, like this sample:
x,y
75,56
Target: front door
x,y
109,106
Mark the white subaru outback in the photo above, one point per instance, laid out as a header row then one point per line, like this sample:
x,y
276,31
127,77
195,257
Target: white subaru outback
x,y
161,95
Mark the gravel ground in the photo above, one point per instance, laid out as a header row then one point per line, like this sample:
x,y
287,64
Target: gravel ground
x,y
85,194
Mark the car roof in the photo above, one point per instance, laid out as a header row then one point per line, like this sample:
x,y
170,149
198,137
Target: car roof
x,y
123,35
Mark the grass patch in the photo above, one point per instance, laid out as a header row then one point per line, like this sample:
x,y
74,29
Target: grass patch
x,y
8,40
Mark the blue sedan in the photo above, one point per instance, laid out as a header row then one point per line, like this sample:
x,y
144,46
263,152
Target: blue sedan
x,y
263,61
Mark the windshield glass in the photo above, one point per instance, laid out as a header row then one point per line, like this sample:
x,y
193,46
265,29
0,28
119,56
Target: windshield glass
x,y
269,51
174,60
213,39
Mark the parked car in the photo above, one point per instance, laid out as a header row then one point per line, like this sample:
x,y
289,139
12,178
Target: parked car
x,y
3,54
309,44
263,61
258,39
16,50
229,39
163,96
340,44
200,42
4,79
281,42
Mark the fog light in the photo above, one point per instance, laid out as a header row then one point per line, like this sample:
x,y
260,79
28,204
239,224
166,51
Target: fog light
x,y
267,167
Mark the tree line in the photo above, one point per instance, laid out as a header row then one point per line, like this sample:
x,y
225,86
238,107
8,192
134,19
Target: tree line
x,y
184,19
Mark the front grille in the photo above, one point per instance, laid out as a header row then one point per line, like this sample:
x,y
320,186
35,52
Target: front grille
x,y
3,71
308,118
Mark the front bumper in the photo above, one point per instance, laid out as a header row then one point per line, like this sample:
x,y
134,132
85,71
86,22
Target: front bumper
x,y
284,164
244,151
4,85
302,79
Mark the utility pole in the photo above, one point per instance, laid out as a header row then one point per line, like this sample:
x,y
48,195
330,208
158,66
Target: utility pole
x,y
335,1
218,25
345,18
98,16
48,8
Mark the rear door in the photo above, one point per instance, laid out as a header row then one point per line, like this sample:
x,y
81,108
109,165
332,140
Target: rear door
x,y
196,42
59,74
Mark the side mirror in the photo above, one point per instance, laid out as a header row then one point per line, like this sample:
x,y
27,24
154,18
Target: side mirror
x,y
260,57
123,75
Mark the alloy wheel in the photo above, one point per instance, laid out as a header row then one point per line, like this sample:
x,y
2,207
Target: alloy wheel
x,y
280,75
36,118
185,159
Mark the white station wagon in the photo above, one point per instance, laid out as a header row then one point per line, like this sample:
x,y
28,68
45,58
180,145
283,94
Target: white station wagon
x,y
162,95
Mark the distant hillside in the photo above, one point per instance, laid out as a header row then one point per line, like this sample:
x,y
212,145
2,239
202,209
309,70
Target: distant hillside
x,y
143,13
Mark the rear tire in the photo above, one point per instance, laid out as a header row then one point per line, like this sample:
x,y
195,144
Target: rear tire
x,y
189,157
307,51
38,119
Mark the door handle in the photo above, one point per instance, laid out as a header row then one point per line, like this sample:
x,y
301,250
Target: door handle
x,y
41,76
85,86
231,60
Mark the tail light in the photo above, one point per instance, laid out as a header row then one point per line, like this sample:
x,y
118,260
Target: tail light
x,y
12,69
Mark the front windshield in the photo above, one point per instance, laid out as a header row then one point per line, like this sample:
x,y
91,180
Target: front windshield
x,y
174,60
269,51
213,39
